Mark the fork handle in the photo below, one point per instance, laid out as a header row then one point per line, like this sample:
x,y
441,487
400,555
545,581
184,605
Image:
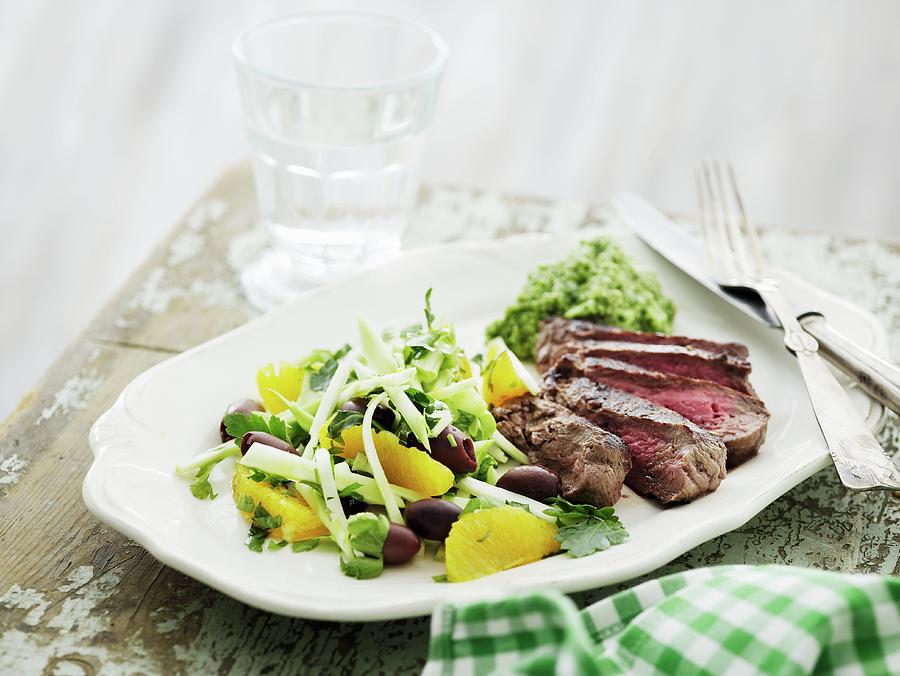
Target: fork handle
x,y
860,461
876,375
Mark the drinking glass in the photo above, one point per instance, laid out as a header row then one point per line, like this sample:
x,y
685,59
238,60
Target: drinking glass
x,y
336,108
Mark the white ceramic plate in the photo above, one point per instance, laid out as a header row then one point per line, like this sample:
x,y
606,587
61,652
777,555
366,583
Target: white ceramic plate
x,y
172,411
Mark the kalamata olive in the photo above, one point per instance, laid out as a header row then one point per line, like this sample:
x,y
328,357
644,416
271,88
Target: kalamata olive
x,y
359,405
244,406
432,518
532,481
400,545
383,415
454,449
265,438
353,506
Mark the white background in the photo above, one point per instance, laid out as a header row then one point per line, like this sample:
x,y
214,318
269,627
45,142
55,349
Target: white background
x,y
115,115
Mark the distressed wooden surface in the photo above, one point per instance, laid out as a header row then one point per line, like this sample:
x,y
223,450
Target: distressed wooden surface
x,y
77,597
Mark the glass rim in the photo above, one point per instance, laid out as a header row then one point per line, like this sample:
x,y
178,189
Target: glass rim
x,y
431,70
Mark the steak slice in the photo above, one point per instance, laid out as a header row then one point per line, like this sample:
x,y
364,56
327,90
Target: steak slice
x,y
740,420
559,330
679,360
671,458
591,462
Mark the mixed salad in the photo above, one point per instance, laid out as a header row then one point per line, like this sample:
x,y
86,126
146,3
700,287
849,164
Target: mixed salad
x,y
374,449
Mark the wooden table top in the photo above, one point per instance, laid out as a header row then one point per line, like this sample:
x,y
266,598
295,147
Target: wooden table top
x,y
77,597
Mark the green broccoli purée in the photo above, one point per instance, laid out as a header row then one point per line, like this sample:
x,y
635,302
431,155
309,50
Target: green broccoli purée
x,y
596,281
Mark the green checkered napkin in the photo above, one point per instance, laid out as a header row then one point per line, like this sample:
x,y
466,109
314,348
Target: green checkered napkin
x,y
722,620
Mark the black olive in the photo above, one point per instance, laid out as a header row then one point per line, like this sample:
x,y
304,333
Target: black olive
x,y
266,439
432,518
383,415
353,506
454,449
358,405
244,406
400,545
532,481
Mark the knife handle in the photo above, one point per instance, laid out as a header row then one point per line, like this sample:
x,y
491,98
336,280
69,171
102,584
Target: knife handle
x,y
860,461
876,375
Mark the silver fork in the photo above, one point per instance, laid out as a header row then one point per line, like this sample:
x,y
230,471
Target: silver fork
x,y
735,256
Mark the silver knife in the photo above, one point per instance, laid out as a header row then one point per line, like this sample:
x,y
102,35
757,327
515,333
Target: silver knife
x,y
876,375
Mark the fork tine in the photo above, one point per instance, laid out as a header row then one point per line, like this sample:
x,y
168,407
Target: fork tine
x,y
703,205
722,251
732,223
749,227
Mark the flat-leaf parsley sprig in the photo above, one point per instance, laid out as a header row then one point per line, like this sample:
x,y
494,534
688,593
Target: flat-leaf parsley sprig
x,y
584,529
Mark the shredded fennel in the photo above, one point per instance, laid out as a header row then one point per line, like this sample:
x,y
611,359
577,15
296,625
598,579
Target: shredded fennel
x,y
329,400
390,502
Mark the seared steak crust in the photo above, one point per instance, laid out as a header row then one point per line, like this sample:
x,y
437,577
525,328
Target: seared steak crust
x,y
591,462
558,330
672,458
740,420
674,359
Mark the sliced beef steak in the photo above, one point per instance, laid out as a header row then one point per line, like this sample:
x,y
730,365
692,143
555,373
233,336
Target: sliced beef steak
x,y
740,420
559,330
591,462
672,458
675,359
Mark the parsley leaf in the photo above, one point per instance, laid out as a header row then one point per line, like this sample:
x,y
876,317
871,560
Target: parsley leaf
x,y
366,532
319,379
343,420
297,436
278,428
485,470
404,433
315,485
584,529
263,519
200,487
362,567
260,526
273,480
349,491
245,504
473,505
440,578
238,424
429,315
256,538
277,544
465,421
427,404
423,402
305,545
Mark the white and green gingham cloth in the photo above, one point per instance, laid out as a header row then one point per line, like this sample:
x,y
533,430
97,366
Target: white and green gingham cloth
x,y
721,620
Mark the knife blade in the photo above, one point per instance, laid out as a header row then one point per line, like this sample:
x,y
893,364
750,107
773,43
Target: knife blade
x,y
876,375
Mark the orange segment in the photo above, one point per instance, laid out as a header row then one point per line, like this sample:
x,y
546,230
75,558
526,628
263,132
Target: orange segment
x,y
298,520
410,467
284,378
350,444
505,377
490,540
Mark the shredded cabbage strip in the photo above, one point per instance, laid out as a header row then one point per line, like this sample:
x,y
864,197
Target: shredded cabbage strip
x,y
390,502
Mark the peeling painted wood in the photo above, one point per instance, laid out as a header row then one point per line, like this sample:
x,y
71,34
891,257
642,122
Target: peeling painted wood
x,y
78,598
